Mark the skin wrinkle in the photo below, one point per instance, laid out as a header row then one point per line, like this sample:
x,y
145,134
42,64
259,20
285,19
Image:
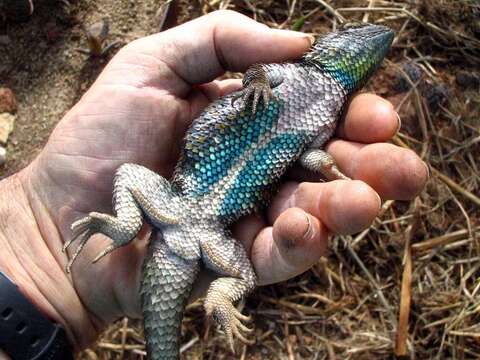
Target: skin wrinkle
x,y
167,45
52,226
218,50
57,262
167,81
52,179
334,197
95,158
129,56
73,185
27,282
171,69
62,150
190,60
140,247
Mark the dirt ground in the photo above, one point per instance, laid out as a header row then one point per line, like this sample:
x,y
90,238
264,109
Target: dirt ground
x,y
41,65
351,304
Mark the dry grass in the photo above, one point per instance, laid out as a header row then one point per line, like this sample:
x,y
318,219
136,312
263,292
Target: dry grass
x,y
408,286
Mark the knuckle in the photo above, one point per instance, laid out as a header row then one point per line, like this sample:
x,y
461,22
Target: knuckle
x,y
413,176
302,192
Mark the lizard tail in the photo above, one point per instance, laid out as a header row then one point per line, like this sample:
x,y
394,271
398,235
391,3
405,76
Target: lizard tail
x,y
166,286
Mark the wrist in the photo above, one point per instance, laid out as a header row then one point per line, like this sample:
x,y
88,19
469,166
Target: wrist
x,y
31,256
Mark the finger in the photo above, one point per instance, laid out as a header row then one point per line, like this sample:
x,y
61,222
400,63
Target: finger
x,y
369,118
200,50
217,88
394,172
201,96
228,86
246,229
343,206
294,243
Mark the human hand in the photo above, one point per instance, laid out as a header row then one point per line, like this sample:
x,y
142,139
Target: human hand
x,y
137,111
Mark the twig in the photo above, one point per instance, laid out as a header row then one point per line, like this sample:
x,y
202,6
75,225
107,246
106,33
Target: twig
x,y
401,345
445,179
446,239
454,186
189,344
372,281
367,14
332,11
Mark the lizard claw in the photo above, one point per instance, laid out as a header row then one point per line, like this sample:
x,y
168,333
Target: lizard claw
x,y
104,252
259,89
230,320
82,230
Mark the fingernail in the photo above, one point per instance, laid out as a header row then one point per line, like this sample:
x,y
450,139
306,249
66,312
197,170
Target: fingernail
x,y
308,234
379,200
399,123
309,37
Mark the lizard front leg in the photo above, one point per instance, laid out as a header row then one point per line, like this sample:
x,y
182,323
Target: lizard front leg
x,y
258,81
320,161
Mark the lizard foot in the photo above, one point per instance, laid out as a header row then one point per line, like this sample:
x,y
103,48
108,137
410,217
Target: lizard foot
x,y
95,223
230,320
256,84
257,90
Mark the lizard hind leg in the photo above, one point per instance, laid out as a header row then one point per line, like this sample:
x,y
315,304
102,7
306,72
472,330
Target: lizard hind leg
x,y
227,257
137,191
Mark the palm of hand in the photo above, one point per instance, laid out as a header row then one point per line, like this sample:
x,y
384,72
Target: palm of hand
x,y
116,122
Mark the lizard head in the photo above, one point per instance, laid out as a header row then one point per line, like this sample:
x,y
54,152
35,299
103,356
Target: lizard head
x,y
352,54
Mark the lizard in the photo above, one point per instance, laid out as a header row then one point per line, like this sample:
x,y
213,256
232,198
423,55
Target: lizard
x,y
233,157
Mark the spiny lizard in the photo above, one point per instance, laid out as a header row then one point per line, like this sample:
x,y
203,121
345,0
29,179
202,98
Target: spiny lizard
x,y
233,156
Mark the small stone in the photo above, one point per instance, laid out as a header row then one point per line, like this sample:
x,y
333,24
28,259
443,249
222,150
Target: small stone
x,y
7,122
468,80
7,101
435,95
3,155
414,73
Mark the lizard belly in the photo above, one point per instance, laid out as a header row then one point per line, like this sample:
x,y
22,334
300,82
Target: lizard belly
x,y
232,158
250,182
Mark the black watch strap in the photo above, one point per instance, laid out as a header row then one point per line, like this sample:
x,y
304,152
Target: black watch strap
x,y
25,333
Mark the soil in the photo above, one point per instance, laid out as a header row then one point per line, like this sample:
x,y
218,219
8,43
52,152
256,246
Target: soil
x,y
42,66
